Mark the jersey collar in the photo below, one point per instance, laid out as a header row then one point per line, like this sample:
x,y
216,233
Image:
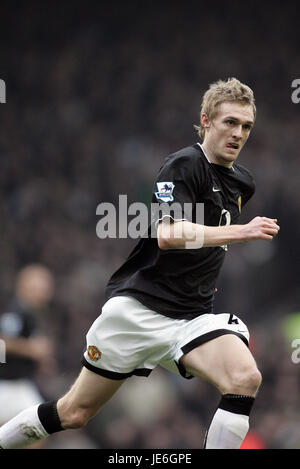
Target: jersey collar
x,y
203,152
232,168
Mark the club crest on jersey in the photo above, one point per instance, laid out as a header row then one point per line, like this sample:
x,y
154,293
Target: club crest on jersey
x,y
240,203
94,353
164,191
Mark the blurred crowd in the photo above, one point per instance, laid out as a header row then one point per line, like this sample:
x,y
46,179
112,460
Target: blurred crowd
x,y
97,96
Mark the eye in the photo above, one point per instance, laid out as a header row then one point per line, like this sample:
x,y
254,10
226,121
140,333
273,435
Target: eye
x,y
230,122
247,127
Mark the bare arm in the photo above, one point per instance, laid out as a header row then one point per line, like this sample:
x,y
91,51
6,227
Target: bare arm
x,y
187,235
36,348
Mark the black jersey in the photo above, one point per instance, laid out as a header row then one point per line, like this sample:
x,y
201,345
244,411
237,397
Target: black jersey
x,y
17,322
180,283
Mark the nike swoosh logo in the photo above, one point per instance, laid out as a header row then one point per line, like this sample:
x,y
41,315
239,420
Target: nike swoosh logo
x,y
239,330
216,189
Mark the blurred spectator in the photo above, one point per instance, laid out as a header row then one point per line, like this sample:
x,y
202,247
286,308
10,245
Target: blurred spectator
x,y
28,349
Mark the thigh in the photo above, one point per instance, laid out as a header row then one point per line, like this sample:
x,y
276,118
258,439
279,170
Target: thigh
x,y
90,391
219,361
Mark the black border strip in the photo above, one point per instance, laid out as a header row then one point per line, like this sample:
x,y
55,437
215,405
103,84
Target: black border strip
x,y
201,340
210,336
113,374
182,371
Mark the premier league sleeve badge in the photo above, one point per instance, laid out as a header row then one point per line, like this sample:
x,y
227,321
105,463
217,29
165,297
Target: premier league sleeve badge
x,y
164,191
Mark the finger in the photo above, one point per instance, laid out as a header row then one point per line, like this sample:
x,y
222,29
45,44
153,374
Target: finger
x,y
271,231
266,237
272,220
271,225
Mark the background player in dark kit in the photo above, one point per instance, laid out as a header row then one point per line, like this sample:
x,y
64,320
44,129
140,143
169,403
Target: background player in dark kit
x,y
28,351
170,281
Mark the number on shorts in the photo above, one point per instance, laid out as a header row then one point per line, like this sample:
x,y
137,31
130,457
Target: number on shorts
x,y
232,319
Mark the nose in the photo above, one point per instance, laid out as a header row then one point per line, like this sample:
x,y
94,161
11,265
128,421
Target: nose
x,y
237,131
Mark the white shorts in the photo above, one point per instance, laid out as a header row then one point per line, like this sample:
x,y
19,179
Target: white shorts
x,y
15,396
130,339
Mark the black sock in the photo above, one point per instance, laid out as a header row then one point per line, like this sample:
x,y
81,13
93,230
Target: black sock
x,y
49,417
233,404
237,403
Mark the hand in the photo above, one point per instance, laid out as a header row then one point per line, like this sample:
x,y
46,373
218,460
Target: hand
x,y
261,228
41,350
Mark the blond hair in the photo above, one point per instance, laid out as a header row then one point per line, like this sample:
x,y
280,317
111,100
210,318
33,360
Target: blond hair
x,y
224,91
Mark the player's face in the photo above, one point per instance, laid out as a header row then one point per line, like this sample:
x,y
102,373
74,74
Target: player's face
x,y
227,132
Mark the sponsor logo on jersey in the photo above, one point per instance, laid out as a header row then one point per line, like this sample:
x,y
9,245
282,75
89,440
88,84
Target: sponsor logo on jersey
x,y
240,203
94,353
164,191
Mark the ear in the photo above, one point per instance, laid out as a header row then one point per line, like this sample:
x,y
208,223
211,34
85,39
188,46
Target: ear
x,y
205,122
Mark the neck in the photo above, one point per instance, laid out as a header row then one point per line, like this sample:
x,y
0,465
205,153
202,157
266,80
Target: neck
x,y
212,158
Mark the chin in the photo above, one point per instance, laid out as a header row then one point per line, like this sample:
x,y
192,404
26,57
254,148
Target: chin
x,y
225,161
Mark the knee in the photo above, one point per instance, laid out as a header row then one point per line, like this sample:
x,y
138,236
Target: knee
x,y
78,418
245,381
73,417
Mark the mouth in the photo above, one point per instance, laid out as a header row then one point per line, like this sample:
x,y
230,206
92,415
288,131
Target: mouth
x,y
233,145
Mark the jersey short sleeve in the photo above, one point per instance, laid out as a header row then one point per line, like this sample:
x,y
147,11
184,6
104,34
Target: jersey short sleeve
x,y
178,187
